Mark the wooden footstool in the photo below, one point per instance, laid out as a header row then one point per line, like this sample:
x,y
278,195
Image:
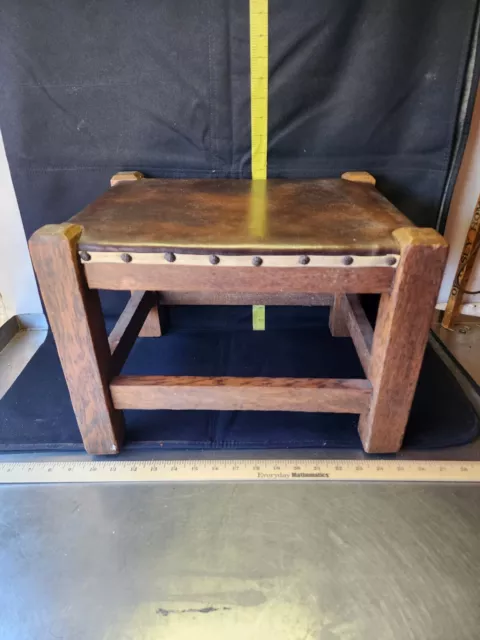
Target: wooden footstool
x,y
302,242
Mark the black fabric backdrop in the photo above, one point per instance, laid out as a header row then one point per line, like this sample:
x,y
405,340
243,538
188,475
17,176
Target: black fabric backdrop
x,y
90,88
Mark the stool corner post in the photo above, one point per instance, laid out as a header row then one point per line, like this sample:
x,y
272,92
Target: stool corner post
x,y
78,327
400,337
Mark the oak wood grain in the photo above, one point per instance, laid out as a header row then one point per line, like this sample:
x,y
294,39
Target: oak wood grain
x,y
152,327
238,280
249,299
237,394
77,324
359,328
126,330
401,333
337,321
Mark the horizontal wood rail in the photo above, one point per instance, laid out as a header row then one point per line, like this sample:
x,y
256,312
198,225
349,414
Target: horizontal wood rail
x,y
159,277
359,328
225,298
236,394
125,332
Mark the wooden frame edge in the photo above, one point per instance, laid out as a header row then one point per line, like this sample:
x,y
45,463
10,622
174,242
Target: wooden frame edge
x,y
359,328
76,320
128,327
241,394
234,280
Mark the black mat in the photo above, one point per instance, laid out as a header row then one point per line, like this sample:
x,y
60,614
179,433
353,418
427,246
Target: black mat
x,y
36,413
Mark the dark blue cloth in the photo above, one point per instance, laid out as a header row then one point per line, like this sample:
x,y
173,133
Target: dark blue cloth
x,y
36,413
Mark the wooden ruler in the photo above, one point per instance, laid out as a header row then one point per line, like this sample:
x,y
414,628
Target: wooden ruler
x,y
114,471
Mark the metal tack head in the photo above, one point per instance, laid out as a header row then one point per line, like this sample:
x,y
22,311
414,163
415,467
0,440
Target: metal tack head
x,y
304,259
391,260
169,256
257,261
85,256
347,260
214,259
126,257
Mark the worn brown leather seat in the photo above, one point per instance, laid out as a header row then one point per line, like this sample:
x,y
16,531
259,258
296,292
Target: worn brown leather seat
x,y
279,216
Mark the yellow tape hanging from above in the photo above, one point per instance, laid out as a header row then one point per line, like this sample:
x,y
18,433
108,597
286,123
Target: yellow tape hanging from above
x,y
259,129
259,86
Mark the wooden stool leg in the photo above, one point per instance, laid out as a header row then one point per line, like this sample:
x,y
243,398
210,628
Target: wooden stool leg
x,y
76,320
152,327
401,333
337,322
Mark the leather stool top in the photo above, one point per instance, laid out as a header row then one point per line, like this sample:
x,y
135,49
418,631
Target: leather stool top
x,y
323,217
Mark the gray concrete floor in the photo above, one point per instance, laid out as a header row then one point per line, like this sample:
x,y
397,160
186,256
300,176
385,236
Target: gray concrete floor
x,y
242,561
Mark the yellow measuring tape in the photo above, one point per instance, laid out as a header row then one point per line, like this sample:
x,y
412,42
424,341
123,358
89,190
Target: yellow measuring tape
x,y
259,86
259,128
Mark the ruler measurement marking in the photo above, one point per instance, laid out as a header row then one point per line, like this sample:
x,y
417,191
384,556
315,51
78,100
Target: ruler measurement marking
x,y
258,16
259,87
96,471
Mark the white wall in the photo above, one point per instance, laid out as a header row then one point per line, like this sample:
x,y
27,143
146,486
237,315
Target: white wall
x,y
466,193
18,288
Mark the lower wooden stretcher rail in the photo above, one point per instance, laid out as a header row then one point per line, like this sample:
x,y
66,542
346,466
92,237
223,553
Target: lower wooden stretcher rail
x,y
235,394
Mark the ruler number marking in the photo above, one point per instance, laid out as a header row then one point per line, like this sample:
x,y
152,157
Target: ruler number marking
x,y
204,470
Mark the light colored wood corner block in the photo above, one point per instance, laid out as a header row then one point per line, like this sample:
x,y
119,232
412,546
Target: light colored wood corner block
x,y
359,176
420,237
126,176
